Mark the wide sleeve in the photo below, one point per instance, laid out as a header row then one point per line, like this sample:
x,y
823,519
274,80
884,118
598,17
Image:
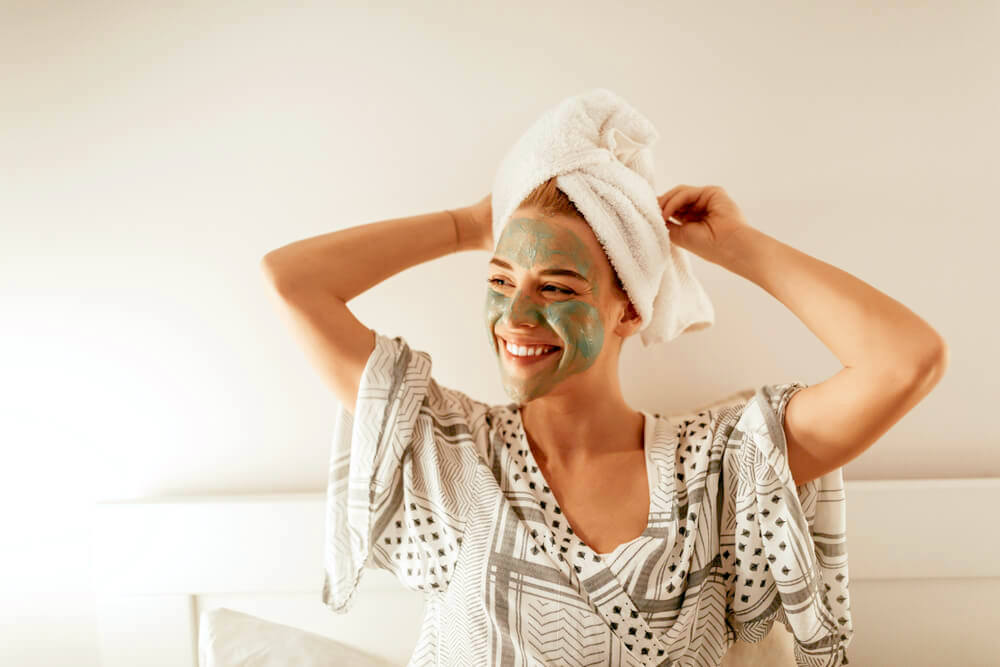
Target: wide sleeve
x,y
401,476
784,546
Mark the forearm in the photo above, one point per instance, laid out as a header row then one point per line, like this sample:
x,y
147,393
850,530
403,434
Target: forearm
x,y
348,262
861,326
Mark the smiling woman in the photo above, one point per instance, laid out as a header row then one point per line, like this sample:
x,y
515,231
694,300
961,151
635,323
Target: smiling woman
x,y
566,490
565,522
550,283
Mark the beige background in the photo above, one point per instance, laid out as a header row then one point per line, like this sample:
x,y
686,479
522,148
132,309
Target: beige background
x,y
150,157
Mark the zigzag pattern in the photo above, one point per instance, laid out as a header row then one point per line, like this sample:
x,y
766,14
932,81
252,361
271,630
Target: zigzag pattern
x,y
709,644
559,635
465,625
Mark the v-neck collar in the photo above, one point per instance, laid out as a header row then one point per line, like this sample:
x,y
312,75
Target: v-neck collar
x,y
659,442
578,561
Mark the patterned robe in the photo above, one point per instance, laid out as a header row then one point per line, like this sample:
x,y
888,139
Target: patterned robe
x,y
444,492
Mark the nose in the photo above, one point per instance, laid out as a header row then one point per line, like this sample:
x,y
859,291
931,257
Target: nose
x,y
524,310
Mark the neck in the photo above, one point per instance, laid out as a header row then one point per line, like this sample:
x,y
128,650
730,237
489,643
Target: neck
x,y
570,433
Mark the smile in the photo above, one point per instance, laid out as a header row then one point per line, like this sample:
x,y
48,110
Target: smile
x,y
531,360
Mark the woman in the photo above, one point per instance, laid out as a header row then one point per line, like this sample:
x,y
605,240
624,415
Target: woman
x,y
566,527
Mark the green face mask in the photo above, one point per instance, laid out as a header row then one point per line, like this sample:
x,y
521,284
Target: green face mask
x,y
535,244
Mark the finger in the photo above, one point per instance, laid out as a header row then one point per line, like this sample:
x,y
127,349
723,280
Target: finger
x,y
666,195
680,199
665,198
662,199
682,193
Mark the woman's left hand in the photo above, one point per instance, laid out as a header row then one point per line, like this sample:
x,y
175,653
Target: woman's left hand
x,y
712,221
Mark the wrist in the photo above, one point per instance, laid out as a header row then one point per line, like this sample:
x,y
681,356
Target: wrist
x,y
469,235
740,248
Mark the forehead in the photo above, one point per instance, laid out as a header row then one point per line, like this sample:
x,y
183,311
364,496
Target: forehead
x,y
533,239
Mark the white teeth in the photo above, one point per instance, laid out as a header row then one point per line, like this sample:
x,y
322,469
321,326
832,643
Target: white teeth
x,y
524,351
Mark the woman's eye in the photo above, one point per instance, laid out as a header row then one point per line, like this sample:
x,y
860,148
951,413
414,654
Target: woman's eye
x,y
494,281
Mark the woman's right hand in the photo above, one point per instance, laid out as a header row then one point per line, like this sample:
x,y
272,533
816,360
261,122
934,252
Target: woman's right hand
x,y
480,221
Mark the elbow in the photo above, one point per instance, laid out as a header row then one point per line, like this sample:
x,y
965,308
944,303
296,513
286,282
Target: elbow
x,y
275,273
937,356
928,353
940,359
268,267
931,367
270,261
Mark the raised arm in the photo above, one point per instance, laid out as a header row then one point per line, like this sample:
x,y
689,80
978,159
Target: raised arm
x,y
313,279
891,357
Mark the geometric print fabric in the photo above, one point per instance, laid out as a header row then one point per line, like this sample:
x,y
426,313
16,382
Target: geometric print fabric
x,y
444,492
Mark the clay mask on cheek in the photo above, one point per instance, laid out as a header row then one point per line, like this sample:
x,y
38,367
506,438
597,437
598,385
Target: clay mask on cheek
x,y
535,245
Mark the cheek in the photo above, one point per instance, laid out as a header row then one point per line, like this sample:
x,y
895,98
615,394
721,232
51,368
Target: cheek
x,y
495,306
493,311
580,325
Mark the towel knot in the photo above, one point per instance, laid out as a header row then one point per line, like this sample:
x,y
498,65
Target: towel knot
x,y
622,146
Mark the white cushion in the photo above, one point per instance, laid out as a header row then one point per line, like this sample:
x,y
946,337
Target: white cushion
x,y
228,638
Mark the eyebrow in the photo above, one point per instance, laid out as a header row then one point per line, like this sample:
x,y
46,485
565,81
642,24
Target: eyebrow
x,y
553,272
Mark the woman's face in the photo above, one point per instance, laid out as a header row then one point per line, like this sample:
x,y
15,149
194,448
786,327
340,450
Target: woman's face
x,y
533,296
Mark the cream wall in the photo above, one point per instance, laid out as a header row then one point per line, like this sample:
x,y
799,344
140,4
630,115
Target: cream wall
x,y
150,157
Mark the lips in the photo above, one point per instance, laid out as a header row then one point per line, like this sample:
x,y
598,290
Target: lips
x,y
525,361
526,344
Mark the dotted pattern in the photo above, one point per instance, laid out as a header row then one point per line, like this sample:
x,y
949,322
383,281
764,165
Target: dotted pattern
x,y
562,543
421,551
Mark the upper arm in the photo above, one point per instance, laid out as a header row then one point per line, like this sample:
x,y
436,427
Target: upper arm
x,y
828,424
335,341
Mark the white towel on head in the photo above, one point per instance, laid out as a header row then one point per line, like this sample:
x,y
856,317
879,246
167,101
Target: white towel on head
x,y
598,148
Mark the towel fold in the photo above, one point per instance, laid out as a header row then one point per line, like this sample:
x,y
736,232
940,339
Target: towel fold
x,y
597,146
